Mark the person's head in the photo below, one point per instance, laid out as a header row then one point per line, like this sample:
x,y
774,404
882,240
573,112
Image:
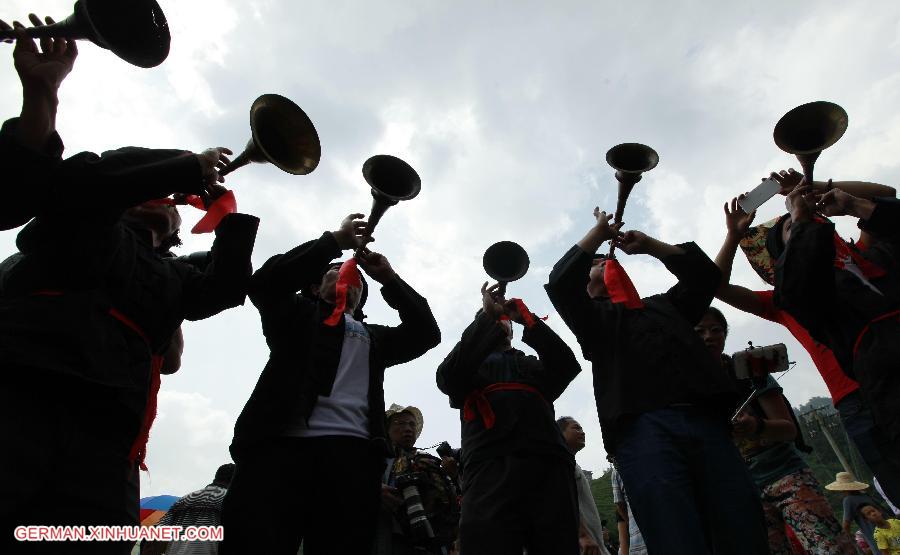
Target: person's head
x,y
778,236
872,513
713,329
224,475
572,433
327,289
597,286
404,424
161,219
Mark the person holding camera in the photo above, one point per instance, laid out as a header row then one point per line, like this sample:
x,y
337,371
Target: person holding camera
x,y
768,436
310,443
845,394
518,490
424,519
663,402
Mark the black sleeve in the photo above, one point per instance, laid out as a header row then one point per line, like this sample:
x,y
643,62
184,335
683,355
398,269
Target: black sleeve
x,y
274,286
44,183
559,363
698,280
885,220
567,289
455,374
224,281
804,274
418,331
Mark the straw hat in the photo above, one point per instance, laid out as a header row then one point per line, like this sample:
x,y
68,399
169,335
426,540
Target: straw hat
x,y
416,413
844,481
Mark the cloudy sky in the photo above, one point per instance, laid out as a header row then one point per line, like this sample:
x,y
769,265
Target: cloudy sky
x,y
506,109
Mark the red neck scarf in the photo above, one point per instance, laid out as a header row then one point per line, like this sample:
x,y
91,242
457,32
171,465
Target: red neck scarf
x,y
348,276
619,285
527,316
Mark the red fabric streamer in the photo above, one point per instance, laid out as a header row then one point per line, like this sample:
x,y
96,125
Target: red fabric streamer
x,y
844,252
526,314
221,207
348,276
478,399
619,285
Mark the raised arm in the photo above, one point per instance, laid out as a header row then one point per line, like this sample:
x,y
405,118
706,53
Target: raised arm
x,y
738,223
791,178
273,286
568,281
698,277
558,360
418,331
482,337
223,283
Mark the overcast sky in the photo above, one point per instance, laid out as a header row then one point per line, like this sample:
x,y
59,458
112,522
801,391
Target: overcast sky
x,y
506,110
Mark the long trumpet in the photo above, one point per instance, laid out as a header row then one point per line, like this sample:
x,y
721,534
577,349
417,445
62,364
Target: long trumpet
x,y
808,129
134,30
391,180
281,134
630,160
505,261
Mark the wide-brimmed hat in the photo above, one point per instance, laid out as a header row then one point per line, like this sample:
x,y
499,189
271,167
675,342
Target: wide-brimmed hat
x,y
416,413
844,481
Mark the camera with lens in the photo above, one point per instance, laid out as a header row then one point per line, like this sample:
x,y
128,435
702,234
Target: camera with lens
x,y
419,527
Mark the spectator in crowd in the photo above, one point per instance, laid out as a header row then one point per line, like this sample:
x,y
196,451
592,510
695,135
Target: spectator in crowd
x,y
767,434
590,534
854,498
630,540
200,508
887,531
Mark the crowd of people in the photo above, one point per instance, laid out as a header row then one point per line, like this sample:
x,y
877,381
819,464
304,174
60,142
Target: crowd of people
x,y
706,456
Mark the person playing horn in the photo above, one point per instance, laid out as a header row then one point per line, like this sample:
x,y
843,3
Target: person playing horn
x,y
91,305
664,404
509,433
310,443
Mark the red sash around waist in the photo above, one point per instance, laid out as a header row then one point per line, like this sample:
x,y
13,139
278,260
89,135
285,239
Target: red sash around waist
x,y
478,399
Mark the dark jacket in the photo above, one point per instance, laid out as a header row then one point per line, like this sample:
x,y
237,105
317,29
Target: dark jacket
x,y
649,358
78,260
304,353
525,422
841,311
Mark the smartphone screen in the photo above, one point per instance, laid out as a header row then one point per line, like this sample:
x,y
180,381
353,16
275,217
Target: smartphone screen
x,y
759,195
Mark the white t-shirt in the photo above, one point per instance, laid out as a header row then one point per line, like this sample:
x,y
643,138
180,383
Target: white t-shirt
x,y
346,411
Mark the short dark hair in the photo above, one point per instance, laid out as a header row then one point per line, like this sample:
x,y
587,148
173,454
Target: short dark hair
x,y
563,422
717,314
859,509
224,475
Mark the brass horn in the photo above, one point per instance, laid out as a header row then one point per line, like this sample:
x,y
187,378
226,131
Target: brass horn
x,y
281,134
630,160
134,30
505,261
392,180
809,129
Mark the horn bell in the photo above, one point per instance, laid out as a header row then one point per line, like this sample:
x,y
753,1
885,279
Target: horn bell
x,y
810,128
632,158
505,261
284,135
391,178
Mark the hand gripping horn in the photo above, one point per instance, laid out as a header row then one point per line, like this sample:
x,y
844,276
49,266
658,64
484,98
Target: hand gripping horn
x,y
134,30
505,261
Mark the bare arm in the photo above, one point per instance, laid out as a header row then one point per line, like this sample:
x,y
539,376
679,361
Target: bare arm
x,y
622,526
737,222
862,189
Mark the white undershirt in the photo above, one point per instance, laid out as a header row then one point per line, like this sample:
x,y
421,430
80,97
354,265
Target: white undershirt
x,y
346,411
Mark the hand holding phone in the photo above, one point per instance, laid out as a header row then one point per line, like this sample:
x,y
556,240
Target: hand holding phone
x,y
759,195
